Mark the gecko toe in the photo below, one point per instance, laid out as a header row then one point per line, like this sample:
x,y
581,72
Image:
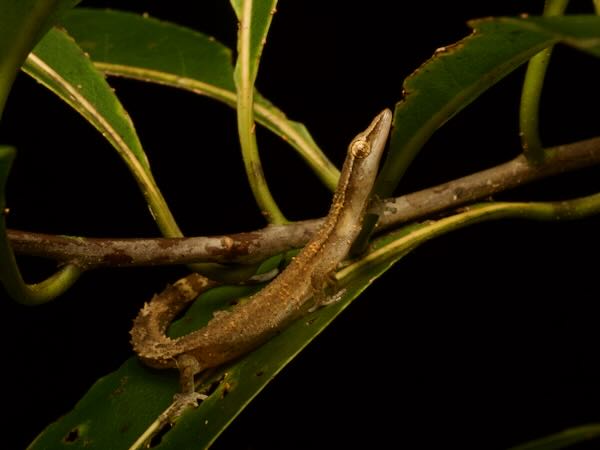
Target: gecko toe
x,y
184,401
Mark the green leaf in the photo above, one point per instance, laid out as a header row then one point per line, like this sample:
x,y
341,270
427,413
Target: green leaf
x,y
457,74
60,65
564,439
142,48
256,15
532,90
24,22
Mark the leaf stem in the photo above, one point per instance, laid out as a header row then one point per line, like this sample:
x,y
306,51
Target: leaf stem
x,y
531,93
27,294
245,75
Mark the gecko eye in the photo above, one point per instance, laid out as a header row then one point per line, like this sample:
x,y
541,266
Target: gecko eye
x,y
360,148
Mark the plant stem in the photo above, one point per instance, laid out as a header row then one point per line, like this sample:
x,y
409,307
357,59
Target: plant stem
x,y
532,89
28,294
252,164
245,78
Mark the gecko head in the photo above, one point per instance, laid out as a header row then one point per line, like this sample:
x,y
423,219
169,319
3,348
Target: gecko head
x,y
374,137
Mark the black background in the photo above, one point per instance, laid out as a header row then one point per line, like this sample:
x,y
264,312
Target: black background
x,y
480,339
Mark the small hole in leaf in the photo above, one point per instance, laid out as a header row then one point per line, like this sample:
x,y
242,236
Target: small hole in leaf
x,y
214,385
311,321
260,373
72,436
226,389
157,438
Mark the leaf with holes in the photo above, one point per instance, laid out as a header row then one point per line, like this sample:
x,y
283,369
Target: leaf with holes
x,y
129,45
457,74
118,408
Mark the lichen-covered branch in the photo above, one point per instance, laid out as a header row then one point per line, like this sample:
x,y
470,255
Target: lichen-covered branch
x,y
255,246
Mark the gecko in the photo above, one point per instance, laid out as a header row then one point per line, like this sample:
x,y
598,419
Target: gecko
x,y
234,332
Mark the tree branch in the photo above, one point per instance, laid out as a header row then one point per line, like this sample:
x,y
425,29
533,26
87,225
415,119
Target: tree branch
x,y
255,246
512,174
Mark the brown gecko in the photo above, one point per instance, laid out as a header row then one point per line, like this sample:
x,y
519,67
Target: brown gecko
x,y
233,333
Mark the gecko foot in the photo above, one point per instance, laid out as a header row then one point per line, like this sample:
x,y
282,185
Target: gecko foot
x,y
321,299
333,298
182,402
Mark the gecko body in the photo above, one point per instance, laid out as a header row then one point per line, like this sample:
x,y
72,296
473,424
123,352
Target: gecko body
x,y
245,326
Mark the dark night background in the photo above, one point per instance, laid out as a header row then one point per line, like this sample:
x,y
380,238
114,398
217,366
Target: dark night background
x,y
480,339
